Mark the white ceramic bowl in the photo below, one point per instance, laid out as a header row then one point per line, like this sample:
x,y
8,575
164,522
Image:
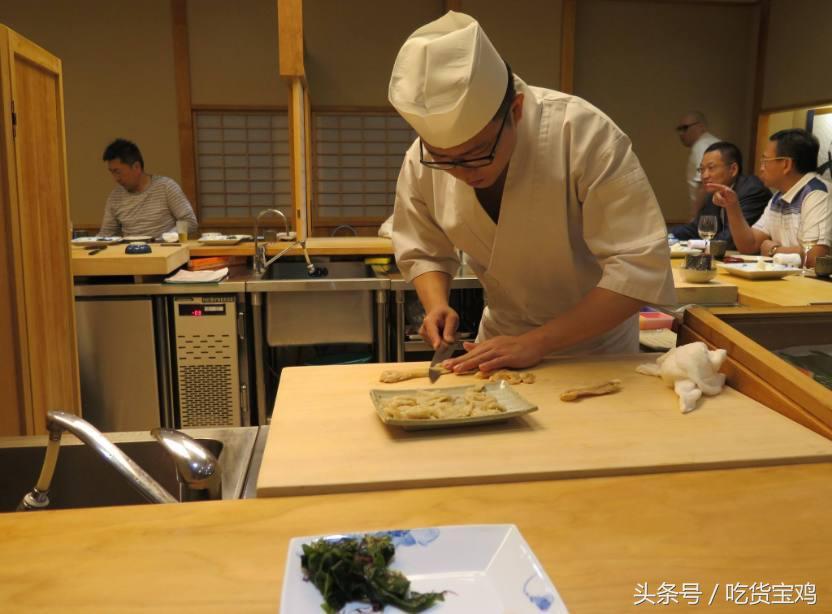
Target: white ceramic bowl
x,y
697,276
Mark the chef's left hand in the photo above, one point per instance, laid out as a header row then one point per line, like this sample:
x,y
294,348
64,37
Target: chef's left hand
x,y
498,353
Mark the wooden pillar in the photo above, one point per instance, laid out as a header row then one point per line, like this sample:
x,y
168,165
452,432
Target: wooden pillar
x,y
184,115
567,46
759,125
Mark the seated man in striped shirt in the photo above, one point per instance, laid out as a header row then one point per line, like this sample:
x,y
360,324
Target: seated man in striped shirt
x,y
141,204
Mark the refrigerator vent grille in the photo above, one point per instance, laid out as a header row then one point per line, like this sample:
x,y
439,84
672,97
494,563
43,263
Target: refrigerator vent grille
x,y
206,397
206,364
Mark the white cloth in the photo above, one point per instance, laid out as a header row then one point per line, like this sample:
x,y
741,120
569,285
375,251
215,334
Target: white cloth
x,y
788,260
386,228
697,150
448,80
577,213
812,220
691,370
197,277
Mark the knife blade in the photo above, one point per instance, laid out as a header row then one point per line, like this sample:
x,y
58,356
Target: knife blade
x,y
442,353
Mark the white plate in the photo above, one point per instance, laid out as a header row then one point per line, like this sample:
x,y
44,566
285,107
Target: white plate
x,y
677,250
487,569
749,270
504,392
95,241
138,238
222,239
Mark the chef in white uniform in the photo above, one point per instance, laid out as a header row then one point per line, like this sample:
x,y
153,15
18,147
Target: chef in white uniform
x,y
540,189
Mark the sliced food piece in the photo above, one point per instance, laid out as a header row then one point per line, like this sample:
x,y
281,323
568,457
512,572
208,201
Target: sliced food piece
x,y
609,387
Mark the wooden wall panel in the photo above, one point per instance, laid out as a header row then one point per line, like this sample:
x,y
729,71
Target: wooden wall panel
x,y
44,232
13,367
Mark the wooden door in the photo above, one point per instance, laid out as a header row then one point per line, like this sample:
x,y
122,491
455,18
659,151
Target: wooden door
x,y
38,231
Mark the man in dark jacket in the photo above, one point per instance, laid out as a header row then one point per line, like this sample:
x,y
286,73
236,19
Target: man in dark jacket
x,y
722,163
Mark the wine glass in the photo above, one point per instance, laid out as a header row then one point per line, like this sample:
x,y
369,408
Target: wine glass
x,y
806,245
707,227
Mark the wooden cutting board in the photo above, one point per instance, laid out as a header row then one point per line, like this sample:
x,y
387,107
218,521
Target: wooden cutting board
x,y
113,261
325,436
718,291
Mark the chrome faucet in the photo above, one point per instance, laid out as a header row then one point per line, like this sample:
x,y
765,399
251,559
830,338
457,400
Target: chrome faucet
x,y
57,422
198,471
260,263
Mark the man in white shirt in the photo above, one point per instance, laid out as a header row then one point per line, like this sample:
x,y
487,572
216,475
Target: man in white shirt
x,y
798,218
541,191
693,132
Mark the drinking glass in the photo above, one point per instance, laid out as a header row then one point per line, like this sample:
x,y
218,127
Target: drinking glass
x,y
806,245
707,226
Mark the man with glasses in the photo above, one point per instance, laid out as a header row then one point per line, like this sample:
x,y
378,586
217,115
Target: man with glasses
x,y
539,189
693,132
798,219
722,164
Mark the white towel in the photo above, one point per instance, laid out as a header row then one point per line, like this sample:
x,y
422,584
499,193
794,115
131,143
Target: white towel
x,y
691,370
697,244
197,277
788,260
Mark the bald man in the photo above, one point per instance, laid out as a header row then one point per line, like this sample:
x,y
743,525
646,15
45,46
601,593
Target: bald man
x,y
693,132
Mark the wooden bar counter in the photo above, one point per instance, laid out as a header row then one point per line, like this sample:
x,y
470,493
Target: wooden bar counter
x,y
790,291
597,539
316,246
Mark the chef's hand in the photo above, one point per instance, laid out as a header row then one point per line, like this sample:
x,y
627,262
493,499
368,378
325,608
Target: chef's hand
x,y
439,325
498,353
724,196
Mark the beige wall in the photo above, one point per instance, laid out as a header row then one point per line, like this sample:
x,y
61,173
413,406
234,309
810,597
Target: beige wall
x,y
646,63
233,49
799,54
118,81
530,44
350,46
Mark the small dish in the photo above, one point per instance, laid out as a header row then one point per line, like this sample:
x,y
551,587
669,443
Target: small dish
x,y
220,239
751,270
697,276
504,392
488,569
95,241
680,250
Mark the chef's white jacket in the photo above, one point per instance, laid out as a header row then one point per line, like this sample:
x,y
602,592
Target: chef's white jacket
x,y
577,213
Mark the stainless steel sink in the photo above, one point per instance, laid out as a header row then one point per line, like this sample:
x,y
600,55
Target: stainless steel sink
x,y
83,479
335,306
327,271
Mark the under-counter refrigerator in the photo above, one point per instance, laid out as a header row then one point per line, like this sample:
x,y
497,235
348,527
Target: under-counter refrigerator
x,y
118,362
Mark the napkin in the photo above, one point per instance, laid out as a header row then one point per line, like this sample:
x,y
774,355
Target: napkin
x,y
788,260
691,370
697,244
197,277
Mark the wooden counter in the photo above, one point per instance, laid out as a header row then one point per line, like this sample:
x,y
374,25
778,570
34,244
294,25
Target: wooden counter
x,y
596,538
113,261
326,437
790,291
323,246
718,291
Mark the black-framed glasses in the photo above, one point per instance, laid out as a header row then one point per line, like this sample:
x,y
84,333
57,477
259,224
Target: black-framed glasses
x,y
465,162
684,127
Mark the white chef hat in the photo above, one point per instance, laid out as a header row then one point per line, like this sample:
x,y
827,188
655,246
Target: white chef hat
x,y
448,80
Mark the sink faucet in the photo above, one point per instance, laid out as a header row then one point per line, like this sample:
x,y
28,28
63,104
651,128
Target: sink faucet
x,y
58,421
260,263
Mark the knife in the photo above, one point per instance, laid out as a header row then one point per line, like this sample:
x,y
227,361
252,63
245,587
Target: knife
x,y
442,353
